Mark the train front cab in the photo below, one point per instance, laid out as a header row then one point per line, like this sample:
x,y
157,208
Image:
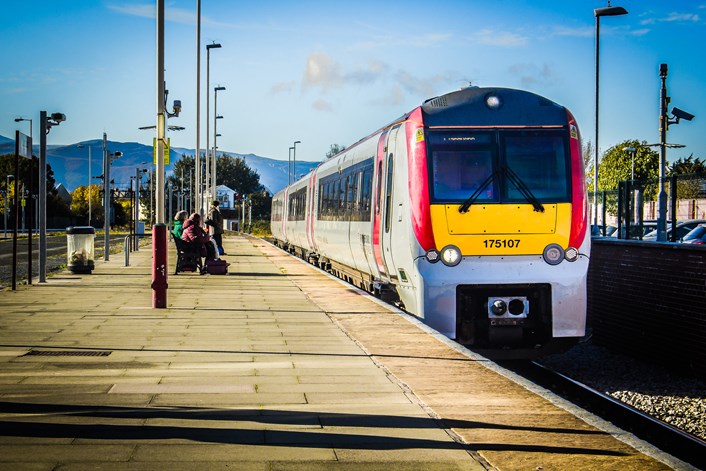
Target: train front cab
x,y
507,272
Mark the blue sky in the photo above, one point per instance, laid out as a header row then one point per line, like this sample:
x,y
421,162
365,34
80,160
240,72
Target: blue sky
x,y
332,72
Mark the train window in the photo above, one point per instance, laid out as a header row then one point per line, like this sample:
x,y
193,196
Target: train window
x,y
366,190
541,161
458,174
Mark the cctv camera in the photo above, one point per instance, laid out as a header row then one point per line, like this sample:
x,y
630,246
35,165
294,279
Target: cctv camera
x,y
177,106
681,114
58,117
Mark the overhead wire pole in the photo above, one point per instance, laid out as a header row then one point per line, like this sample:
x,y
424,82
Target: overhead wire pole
x,y
196,196
159,230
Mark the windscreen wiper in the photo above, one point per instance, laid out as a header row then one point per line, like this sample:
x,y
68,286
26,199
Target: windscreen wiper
x,y
464,207
523,189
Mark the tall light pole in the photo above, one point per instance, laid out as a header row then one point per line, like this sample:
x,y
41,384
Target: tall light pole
x,y
213,45
7,195
294,160
599,12
45,125
289,168
196,196
216,117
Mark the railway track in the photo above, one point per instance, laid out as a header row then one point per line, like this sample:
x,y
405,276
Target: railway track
x,y
678,443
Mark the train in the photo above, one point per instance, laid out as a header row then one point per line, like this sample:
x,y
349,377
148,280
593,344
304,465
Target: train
x,y
469,212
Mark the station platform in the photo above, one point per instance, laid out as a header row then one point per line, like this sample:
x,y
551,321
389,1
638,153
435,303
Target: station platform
x,y
275,366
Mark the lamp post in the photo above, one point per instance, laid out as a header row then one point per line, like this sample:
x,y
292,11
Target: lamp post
x,y
7,195
213,45
598,13
215,134
294,160
45,125
289,167
196,197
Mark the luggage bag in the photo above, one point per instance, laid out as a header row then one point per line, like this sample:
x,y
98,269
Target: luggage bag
x,y
217,267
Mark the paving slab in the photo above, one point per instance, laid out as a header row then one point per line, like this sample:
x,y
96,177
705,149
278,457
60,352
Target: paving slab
x,y
274,366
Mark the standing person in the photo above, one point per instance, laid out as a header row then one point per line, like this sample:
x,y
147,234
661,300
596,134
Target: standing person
x,y
215,220
179,219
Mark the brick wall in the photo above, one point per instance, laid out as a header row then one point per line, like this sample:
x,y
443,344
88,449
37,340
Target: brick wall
x,y
649,300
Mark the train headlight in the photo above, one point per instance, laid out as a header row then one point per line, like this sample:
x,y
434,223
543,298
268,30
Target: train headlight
x,y
572,254
499,307
494,102
432,256
451,255
553,254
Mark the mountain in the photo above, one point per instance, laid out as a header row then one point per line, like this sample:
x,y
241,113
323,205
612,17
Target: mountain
x,y
70,163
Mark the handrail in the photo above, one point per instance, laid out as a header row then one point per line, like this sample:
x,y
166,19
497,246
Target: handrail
x,y
136,243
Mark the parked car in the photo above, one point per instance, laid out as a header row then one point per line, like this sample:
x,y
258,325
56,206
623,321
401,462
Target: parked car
x,y
597,230
683,228
696,236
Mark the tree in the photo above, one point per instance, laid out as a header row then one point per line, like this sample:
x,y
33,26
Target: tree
x,y
588,157
334,149
79,202
234,173
616,166
55,205
692,172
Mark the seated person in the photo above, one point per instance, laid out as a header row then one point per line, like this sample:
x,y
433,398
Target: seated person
x,y
179,219
194,233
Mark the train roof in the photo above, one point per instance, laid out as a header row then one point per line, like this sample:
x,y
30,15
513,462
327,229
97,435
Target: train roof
x,y
492,106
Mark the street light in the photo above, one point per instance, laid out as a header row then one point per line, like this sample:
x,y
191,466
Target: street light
x,y
599,12
214,45
7,195
631,151
294,159
46,123
215,134
289,167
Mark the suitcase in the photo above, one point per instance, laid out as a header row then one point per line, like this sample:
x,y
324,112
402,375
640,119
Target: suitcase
x,y
217,267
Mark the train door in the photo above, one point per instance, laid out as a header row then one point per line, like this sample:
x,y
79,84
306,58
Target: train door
x,y
387,235
377,223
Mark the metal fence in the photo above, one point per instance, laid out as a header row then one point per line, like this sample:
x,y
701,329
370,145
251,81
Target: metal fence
x,y
631,210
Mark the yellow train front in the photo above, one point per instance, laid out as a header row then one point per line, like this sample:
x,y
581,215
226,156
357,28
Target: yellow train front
x,y
504,239
470,210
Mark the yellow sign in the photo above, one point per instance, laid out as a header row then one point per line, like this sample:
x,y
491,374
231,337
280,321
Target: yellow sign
x,y
420,135
167,145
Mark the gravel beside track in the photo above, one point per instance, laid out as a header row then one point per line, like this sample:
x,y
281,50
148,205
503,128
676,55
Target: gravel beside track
x,y
668,396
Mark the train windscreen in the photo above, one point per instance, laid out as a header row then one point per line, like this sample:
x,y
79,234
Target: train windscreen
x,y
505,166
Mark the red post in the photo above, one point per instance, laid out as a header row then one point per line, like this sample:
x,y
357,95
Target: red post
x,y
159,266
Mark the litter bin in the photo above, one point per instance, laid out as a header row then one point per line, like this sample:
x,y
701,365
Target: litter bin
x,y
80,248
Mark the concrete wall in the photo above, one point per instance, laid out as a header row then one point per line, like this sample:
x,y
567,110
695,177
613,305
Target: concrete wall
x,y
649,299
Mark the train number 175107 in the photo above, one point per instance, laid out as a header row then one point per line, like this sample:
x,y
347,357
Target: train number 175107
x,y
501,243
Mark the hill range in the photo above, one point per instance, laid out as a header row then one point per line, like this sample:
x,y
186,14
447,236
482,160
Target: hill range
x,y
70,162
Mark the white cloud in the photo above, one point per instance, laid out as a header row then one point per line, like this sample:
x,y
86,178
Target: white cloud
x,y
673,17
322,105
171,13
282,87
531,74
579,32
325,73
492,37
